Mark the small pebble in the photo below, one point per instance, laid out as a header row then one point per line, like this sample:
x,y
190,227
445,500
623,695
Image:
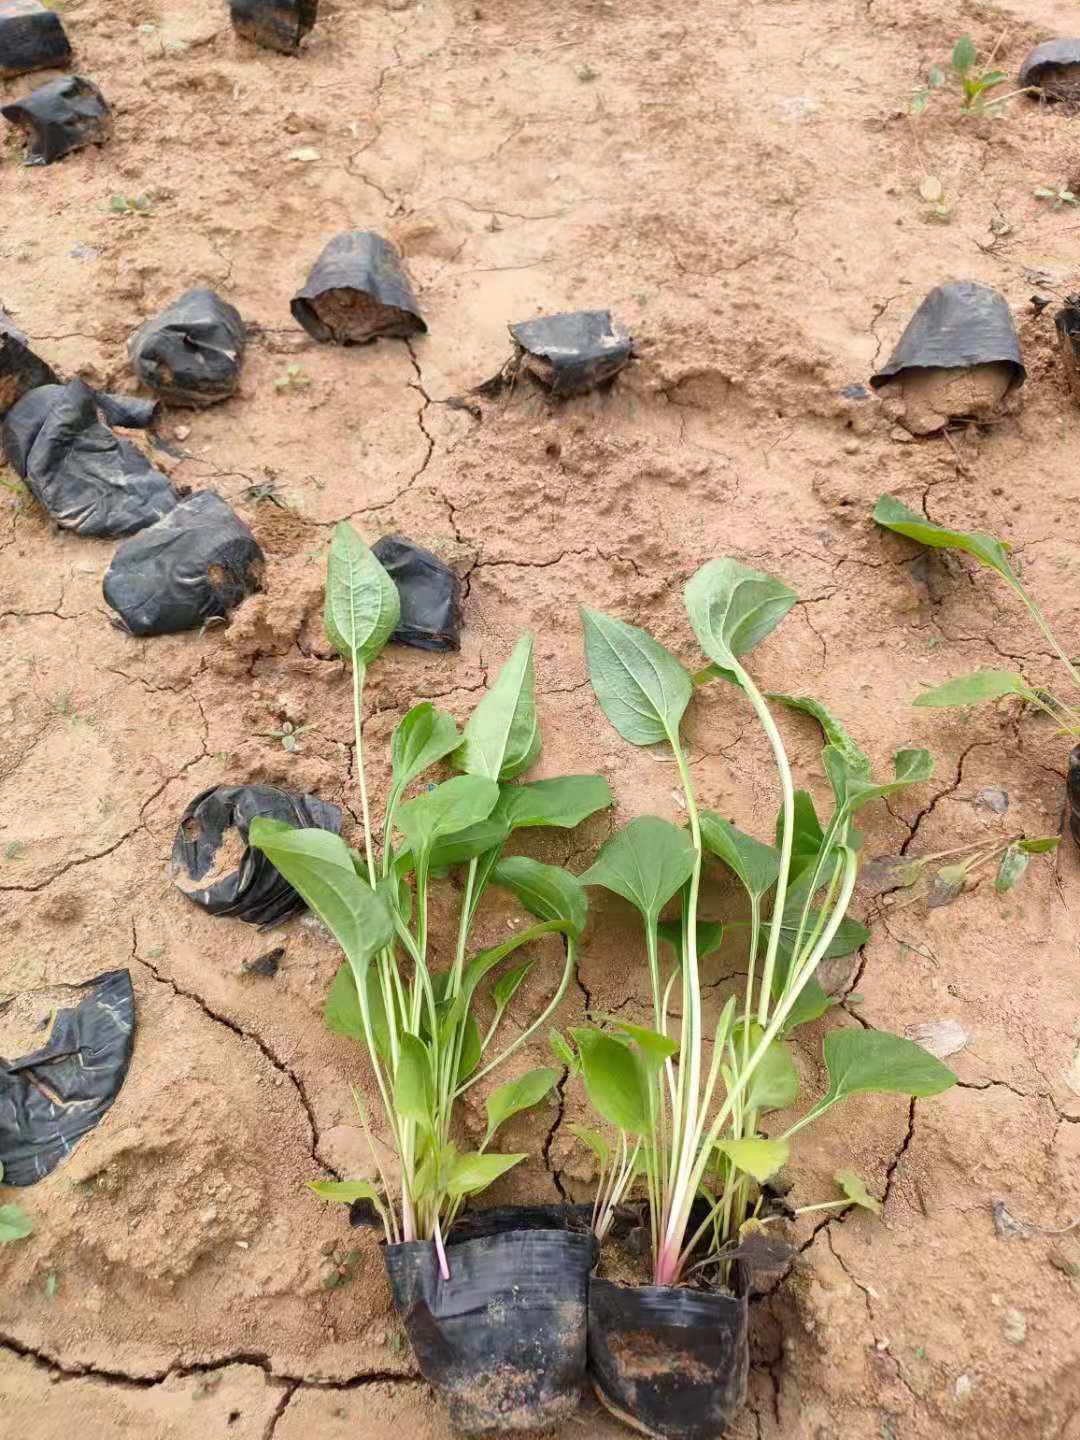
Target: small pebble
x,y
328,1247
994,799
182,432
1014,1326
851,447
961,1387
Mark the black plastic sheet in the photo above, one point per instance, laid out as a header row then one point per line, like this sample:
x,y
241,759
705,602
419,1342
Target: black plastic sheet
x,y
958,325
572,353
1072,792
54,1096
130,412
429,593
357,292
503,1341
274,24
192,352
59,117
20,369
1054,69
31,38
1067,324
88,479
195,564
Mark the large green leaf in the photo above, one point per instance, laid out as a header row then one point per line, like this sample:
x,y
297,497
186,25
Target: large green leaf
x,y
861,1061
414,1090
757,865
616,1081
565,801
710,936
976,689
473,1172
421,739
732,607
655,1048
856,759
502,735
987,549
447,809
641,687
756,1155
15,1224
517,1095
546,891
362,606
456,849
646,863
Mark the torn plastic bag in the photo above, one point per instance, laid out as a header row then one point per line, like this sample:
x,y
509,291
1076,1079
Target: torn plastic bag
x,y
60,117
1052,68
130,412
8,327
195,564
356,292
20,369
88,479
672,1363
1072,792
429,593
53,1097
191,353
1067,324
274,24
213,865
956,326
572,353
503,1341
31,38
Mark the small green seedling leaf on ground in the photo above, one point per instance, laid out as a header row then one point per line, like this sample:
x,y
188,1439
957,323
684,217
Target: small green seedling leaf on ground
x,y
15,1224
975,84
1058,197
291,378
976,689
129,205
1013,864
855,1190
345,1191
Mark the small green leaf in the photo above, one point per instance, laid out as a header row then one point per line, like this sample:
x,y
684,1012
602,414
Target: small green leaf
x,y
447,809
562,1051
710,936
615,1081
517,1095
504,990
642,689
861,1061
986,549
596,1143
646,863
1013,864
414,1097
362,606
450,850
757,865
856,1191
565,801
732,607
756,1156
810,1004
15,1224
807,836
473,1172
963,55
849,937
853,788
421,739
502,735
546,891
775,1082
936,77
655,1048
345,1190
976,689
1040,845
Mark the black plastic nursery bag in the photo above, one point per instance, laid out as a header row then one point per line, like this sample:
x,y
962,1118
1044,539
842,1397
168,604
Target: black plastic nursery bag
x,y
274,24
20,369
31,38
429,593
1053,70
356,292
59,117
575,352
191,353
130,412
958,325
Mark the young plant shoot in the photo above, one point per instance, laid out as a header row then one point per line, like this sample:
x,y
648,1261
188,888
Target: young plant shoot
x,y
419,1025
687,1106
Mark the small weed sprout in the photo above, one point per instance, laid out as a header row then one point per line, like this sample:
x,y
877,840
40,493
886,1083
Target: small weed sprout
x,y
1060,197
130,205
975,84
289,735
293,378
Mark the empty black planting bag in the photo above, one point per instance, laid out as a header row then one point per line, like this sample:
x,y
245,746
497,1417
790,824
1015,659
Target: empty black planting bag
x,y
1053,70
429,593
31,38
356,292
672,1363
1072,792
1067,324
195,564
572,353
274,24
191,353
88,479
53,1097
503,1341
20,370
60,117
213,865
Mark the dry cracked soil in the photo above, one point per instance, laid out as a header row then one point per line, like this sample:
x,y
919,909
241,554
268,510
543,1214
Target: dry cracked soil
x,y
740,185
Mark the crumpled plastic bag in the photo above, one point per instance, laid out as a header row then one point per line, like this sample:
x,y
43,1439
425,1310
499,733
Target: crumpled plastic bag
x,y
191,353
274,24
429,593
356,292
31,38
573,353
59,117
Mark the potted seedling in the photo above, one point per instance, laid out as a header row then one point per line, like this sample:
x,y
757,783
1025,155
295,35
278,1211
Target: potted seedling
x,y
985,686
671,1357
496,1317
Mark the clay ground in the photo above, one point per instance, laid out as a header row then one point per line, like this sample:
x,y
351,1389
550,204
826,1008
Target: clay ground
x,y
739,184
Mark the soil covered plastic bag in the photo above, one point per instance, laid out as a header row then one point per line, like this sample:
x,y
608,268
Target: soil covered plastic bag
x,y
356,292
274,24
130,412
191,353
88,479
31,38
572,353
60,117
52,1097
195,564
503,1341
1067,324
1072,792
213,865
20,369
670,1362
957,359
429,593
1053,68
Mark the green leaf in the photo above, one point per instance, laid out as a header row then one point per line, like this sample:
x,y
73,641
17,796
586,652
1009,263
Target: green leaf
x,y
710,936
1041,845
976,689
655,1048
15,1224
414,1093
342,1012
504,990
986,549
936,77
565,801
757,865
471,1048
642,689
732,607
855,758
991,78
562,1051
775,1082
646,863
615,1081
421,739
863,1061
345,1190
853,788
596,1143
449,808
502,735
1013,864
756,1156
362,606
810,1004
963,55
486,960
450,850
473,1172
856,1191
517,1095
890,872
546,891
849,937
807,836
